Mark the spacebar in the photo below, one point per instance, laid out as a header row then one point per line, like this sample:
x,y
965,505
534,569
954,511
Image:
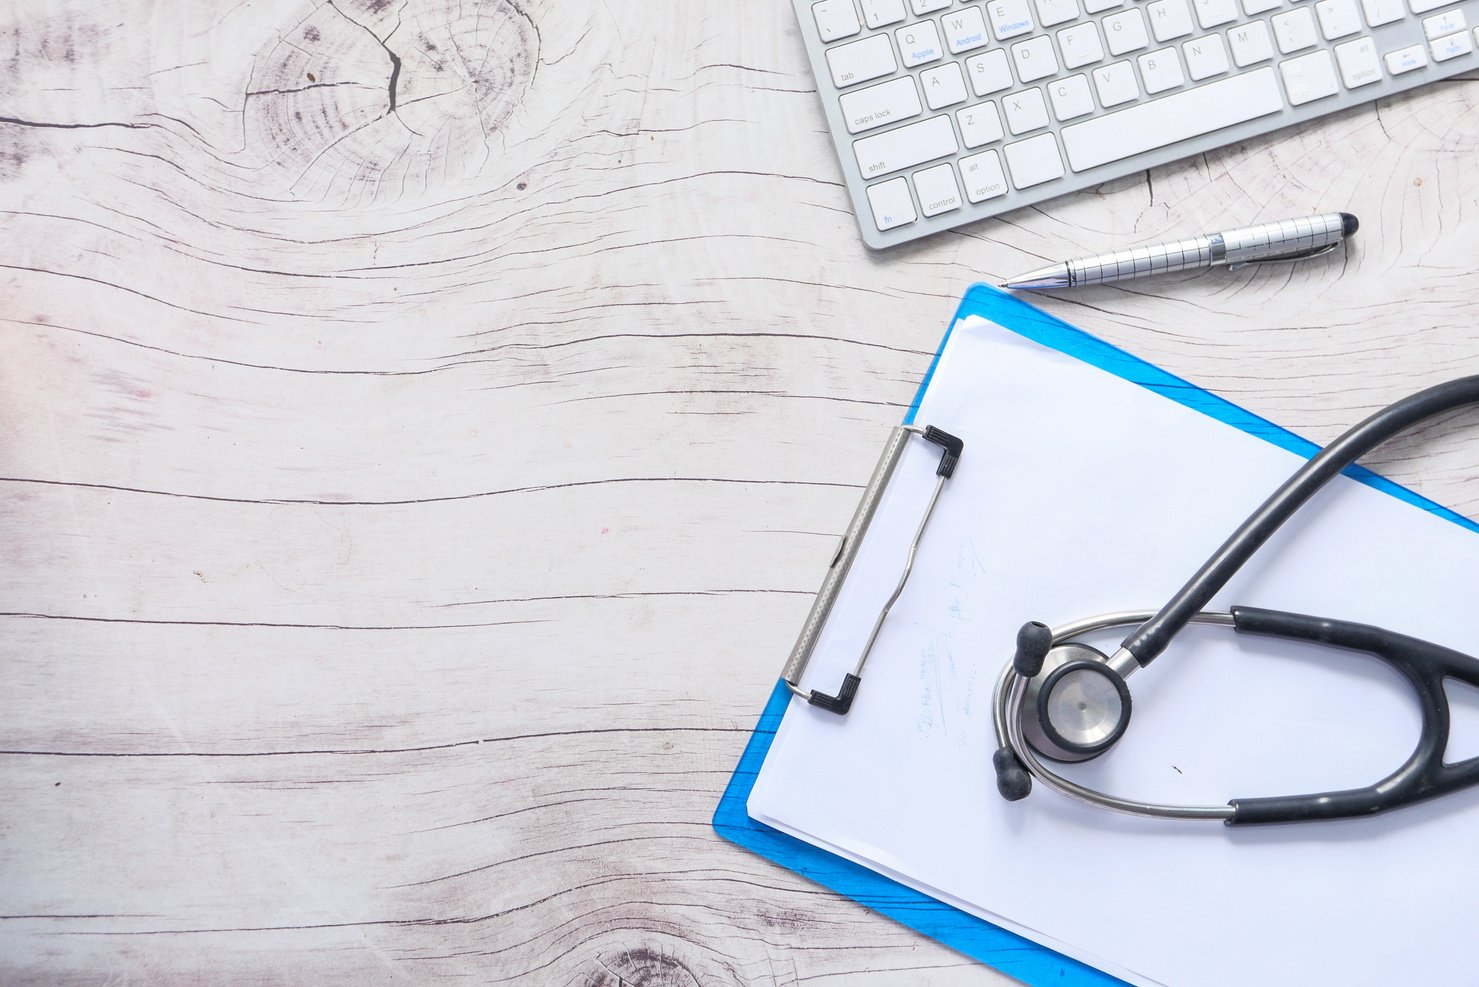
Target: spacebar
x,y
1172,119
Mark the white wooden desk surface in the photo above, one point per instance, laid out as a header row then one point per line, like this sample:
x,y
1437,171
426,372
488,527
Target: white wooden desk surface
x,y
406,512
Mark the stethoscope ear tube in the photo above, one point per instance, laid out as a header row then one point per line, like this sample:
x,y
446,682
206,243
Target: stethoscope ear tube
x,y
1151,638
1423,775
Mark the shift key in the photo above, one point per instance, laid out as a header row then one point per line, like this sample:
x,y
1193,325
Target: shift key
x,y
905,147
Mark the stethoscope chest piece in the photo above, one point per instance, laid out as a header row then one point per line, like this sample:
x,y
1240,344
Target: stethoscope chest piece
x,y
1076,707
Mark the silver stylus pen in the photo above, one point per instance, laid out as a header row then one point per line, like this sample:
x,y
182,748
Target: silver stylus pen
x,y
1289,239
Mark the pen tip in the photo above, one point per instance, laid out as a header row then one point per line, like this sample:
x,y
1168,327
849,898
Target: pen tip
x,y
1349,224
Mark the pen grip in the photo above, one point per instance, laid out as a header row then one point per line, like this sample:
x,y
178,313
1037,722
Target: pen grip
x,y
1156,258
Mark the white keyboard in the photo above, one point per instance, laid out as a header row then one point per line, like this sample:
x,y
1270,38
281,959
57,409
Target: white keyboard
x,y
944,112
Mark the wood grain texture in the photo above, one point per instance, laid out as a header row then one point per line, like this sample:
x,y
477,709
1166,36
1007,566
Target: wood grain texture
x,y
424,424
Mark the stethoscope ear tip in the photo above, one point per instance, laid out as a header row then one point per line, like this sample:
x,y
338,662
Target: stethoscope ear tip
x,y
1012,779
1034,641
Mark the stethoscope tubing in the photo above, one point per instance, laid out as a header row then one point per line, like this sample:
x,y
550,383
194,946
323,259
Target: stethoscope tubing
x,y
1152,637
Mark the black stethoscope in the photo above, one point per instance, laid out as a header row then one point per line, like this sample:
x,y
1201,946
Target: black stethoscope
x,y
1064,701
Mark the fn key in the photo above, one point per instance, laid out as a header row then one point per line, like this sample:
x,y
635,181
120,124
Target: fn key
x,y
891,204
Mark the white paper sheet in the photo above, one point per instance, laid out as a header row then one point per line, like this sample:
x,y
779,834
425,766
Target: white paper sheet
x,y
1081,493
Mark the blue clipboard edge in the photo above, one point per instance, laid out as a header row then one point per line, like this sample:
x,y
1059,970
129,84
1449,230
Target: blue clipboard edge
x,y
1008,952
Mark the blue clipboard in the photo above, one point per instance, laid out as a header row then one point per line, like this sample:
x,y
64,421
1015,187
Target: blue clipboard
x,y
1008,952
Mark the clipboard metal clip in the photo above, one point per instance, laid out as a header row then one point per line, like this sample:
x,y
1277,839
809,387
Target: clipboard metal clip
x,y
847,551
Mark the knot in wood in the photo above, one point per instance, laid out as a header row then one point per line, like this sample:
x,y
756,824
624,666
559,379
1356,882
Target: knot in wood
x,y
370,100
671,959
644,966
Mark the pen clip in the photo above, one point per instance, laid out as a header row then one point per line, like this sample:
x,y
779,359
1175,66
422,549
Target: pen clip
x,y
1288,258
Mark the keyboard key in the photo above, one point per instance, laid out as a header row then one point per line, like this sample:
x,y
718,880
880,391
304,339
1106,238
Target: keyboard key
x,y
859,61
919,43
836,19
1070,97
1215,13
1035,59
965,30
937,190
1358,63
1125,32
1379,12
983,176
881,13
1423,6
1172,119
1338,18
1205,57
989,72
889,102
1294,29
1446,23
1034,161
1100,6
943,86
1115,84
1160,70
1051,13
1250,44
905,147
979,124
891,204
1080,45
1309,77
1451,47
1407,59
1009,18
1169,19
1255,7
922,7
1025,111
